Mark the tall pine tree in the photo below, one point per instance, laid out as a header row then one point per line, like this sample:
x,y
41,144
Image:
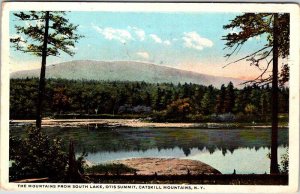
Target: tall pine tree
x,y
229,98
208,101
44,34
220,100
276,27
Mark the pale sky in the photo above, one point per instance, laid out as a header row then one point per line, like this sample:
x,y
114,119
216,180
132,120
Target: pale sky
x,y
188,41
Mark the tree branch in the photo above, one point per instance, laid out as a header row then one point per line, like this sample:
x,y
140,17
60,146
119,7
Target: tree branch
x,y
246,56
229,55
258,82
261,75
255,62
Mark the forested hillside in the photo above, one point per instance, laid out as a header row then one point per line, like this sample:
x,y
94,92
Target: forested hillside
x,y
160,102
124,71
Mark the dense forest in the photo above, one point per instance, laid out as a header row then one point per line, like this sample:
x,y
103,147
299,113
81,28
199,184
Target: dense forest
x,y
158,102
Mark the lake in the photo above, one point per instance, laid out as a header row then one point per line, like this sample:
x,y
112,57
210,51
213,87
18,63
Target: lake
x,y
243,150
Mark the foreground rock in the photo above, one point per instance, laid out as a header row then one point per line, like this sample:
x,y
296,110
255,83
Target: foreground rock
x,y
168,166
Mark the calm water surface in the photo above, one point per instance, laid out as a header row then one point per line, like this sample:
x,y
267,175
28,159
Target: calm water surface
x,y
244,150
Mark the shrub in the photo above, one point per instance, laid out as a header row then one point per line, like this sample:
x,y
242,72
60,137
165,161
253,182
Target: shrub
x,y
110,169
159,116
36,155
179,108
214,117
284,163
226,117
196,118
250,109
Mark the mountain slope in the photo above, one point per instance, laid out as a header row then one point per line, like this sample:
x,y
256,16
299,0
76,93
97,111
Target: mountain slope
x,y
125,71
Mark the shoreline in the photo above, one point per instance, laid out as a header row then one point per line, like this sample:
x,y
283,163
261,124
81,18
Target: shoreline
x,y
136,123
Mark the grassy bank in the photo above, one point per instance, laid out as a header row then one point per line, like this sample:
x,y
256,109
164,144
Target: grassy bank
x,y
114,169
180,179
243,179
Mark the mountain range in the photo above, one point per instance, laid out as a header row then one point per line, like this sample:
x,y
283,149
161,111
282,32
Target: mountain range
x,y
125,71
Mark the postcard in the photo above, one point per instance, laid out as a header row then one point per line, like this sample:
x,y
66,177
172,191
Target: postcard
x,y
143,97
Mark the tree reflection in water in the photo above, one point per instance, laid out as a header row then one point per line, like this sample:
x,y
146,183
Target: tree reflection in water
x,y
93,139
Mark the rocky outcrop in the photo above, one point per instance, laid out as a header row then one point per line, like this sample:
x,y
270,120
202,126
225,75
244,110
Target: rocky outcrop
x,y
168,166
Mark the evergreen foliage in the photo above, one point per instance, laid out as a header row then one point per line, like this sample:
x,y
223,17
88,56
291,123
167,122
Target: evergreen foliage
x,y
163,102
46,34
275,26
251,25
30,37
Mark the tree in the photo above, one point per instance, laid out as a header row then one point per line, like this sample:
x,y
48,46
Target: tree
x,y
220,100
250,109
255,96
275,27
60,99
157,99
47,33
179,109
229,98
265,104
208,101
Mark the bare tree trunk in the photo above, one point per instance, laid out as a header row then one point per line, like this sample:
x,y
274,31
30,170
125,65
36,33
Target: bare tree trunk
x,y
73,174
42,81
72,171
274,145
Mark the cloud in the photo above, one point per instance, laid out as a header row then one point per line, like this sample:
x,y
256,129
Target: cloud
x,y
195,41
234,30
155,38
22,42
167,42
158,40
131,33
144,55
72,48
16,36
122,35
140,33
114,34
256,38
38,23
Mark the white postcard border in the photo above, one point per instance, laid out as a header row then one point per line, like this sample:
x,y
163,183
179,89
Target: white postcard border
x,y
293,9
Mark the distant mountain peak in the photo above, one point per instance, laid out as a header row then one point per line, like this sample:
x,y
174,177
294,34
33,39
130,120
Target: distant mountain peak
x,y
125,71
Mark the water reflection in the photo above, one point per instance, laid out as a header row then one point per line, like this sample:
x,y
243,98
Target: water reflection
x,y
244,150
94,139
243,160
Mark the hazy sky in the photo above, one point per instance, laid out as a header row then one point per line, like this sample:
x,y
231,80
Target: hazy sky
x,y
189,41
